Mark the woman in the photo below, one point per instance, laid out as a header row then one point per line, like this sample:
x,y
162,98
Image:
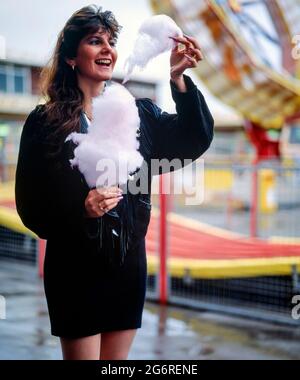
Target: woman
x,y
95,265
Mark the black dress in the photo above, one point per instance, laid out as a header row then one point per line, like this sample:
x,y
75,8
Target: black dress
x,y
95,280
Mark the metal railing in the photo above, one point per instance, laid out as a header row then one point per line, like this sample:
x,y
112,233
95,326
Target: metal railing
x,y
238,251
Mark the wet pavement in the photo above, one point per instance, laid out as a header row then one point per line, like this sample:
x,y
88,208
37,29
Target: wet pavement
x,y
167,332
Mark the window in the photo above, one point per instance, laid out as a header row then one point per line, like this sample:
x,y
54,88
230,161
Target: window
x,y
14,79
295,135
3,82
19,84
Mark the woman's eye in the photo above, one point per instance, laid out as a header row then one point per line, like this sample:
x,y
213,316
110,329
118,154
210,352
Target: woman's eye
x,y
97,41
92,42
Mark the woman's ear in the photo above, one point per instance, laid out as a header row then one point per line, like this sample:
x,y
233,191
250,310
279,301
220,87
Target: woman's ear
x,y
71,62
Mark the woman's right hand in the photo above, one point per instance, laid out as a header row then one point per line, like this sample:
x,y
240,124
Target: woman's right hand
x,y
99,201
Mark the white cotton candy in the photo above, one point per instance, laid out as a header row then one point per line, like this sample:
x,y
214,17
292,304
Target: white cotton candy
x,y
111,139
152,40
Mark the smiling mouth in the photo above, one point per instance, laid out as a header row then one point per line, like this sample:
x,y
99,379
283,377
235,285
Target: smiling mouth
x,y
103,62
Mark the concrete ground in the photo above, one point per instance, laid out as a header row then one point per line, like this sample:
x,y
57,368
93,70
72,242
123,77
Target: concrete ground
x,y
167,332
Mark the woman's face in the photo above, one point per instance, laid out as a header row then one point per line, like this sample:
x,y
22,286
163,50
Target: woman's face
x,y
92,50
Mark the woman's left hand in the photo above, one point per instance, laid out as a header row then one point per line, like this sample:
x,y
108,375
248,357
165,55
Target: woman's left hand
x,y
187,58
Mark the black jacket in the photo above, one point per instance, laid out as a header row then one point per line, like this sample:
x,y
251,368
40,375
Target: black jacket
x,y
50,199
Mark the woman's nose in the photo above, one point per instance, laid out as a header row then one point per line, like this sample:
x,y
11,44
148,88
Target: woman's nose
x,y
106,47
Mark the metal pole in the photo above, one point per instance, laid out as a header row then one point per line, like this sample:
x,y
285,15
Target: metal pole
x,y
254,195
41,246
162,243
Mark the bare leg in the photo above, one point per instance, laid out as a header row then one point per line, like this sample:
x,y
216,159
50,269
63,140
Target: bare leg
x,y
115,345
86,348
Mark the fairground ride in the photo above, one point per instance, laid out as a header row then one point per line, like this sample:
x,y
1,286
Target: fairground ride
x,y
252,61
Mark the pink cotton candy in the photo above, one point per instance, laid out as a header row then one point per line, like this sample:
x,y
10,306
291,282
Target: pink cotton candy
x,y
152,40
108,153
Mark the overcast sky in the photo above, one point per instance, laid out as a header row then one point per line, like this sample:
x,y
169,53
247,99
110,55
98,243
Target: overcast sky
x,y
30,28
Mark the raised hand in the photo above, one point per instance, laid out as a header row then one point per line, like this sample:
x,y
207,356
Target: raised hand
x,y
182,59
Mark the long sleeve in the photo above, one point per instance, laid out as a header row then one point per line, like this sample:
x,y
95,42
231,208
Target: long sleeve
x,y
30,180
67,196
49,199
186,134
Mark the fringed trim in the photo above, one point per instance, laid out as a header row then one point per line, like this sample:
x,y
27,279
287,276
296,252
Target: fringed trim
x,y
115,232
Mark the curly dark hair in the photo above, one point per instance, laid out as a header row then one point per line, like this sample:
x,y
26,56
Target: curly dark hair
x,y
64,98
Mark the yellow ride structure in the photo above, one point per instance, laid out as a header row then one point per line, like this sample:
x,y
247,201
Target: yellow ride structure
x,y
232,69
